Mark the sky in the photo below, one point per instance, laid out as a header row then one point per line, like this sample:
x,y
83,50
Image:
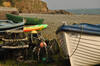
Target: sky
x,y
72,4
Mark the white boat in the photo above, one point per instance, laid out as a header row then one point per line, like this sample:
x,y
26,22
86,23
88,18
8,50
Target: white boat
x,y
80,44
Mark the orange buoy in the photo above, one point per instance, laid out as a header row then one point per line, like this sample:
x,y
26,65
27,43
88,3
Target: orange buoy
x,y
43,44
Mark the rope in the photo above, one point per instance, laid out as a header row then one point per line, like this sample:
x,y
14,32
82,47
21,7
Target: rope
x,y
77,43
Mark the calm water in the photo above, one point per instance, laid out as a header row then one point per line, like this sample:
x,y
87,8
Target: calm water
x,y
94,11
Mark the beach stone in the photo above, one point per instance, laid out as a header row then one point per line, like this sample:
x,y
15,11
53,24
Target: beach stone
x,y
5,10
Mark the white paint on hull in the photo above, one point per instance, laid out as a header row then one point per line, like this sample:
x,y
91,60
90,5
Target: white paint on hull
x,y
87,48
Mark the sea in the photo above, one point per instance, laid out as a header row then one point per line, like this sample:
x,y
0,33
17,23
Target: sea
x,y
91,11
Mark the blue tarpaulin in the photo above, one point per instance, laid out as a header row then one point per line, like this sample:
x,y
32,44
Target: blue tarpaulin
x,y
83,27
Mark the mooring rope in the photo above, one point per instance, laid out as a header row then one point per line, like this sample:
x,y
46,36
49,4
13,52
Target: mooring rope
x,y
77,43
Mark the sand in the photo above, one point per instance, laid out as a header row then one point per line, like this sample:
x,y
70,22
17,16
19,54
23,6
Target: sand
x,y
56,20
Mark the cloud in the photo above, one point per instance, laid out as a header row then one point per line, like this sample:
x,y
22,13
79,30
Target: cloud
x,y
64,4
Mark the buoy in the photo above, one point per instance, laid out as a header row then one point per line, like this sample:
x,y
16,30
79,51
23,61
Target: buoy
x,y
43,44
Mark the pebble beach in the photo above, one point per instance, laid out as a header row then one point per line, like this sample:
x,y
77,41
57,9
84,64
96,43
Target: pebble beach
x,y
56,20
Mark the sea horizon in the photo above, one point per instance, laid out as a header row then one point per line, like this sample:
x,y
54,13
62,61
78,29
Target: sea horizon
x,y
89,11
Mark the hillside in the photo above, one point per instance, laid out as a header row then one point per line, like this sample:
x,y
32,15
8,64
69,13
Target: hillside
x,y
27,6
31,6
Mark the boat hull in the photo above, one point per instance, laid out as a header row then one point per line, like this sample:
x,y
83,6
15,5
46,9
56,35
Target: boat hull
x,y
9,25
82,49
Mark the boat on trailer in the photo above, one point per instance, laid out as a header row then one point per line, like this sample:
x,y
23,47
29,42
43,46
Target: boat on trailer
x,y
80,43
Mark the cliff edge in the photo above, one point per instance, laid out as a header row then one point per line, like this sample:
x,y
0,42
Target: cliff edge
x,y
31,6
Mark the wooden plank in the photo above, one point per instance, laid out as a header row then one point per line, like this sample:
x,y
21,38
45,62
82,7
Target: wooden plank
x,y
15,47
